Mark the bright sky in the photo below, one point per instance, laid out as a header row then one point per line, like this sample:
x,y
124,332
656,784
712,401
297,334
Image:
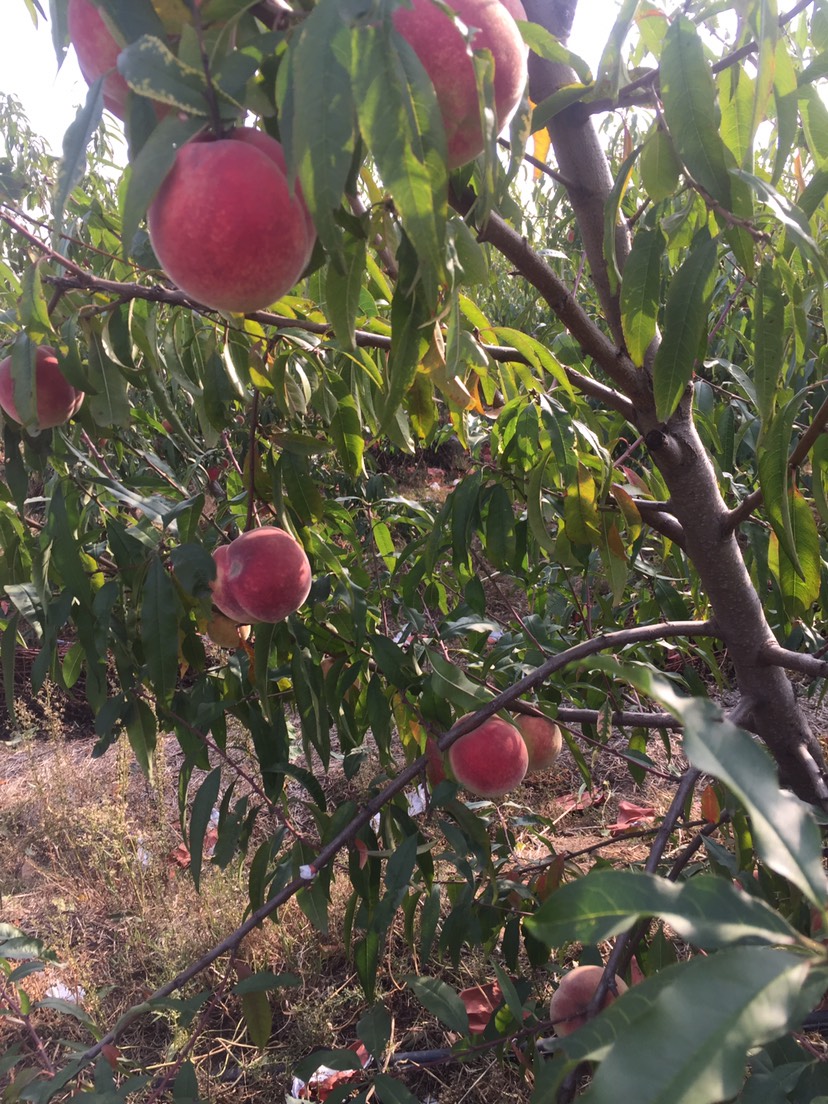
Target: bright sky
x,y
29,71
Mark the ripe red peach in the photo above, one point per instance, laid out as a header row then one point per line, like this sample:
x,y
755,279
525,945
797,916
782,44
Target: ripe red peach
x,y
263,575
97,53
56,399
445,56
571,999
225,632
490,760
543,741
225,225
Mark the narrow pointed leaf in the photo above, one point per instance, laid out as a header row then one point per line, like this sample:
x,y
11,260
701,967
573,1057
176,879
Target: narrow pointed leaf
x,y
640,292
774,476
768,338
685,326
800,589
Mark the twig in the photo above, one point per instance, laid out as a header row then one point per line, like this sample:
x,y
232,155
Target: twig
x,y
774,655
536,163
11,1002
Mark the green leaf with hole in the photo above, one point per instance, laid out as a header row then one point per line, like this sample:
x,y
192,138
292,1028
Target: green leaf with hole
x,y
685,326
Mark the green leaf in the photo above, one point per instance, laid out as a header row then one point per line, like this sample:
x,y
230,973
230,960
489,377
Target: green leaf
x,y
819,467
537,355
612,206
720,1007
800,588
343,289
541,42
106,396
317,105
790,216
689,97
774,476
685,326
441,1001
768,338
641,292
73,163
142,732
374,1031
148,169
706,911
151,69
346,429
159,629
202,810
659,167
581,509
453,685
411,314
784,831
392,1091
401,124
258,1018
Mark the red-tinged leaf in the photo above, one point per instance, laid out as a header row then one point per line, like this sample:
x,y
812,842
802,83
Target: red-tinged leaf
x,y
635,480
548,881
112,1054
362,849
579,802
710,808
480,1002
632,816
179,856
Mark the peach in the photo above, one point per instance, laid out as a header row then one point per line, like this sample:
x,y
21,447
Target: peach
x,y
226,632
97,53
445,56
225,225
57,400
543,741
263,575
571,999
491,759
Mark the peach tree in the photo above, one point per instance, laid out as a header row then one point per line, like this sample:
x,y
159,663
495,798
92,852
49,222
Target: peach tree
x,y
623,339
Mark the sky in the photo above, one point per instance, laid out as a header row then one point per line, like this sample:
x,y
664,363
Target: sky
x,y
28,68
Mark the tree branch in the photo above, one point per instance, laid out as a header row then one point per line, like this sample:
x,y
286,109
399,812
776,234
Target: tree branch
x,y
774,655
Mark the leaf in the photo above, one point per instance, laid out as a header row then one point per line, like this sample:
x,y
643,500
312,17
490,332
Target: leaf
x,y
142,732
392,1091
106,397
706,910
659,167
318,116
453,685
374,1030
258,1018
343,289
581,520
159,630
685,326
537,355
612,205
768,338
774,476
151,69
401,124
641,292
785,833
631,816
790,216
346,429
800,588
411,313
200,815
719,1006
441,1001
689,97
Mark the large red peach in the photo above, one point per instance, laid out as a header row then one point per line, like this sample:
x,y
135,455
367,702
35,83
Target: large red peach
x,y
97,53
571,999
543,741
263,575
225,225
445,56
56,399
490,760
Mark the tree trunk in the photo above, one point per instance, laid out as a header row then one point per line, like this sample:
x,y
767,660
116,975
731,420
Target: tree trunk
x,y
768,704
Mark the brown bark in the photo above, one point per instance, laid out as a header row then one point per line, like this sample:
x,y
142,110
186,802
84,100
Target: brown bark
x,y
769,705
